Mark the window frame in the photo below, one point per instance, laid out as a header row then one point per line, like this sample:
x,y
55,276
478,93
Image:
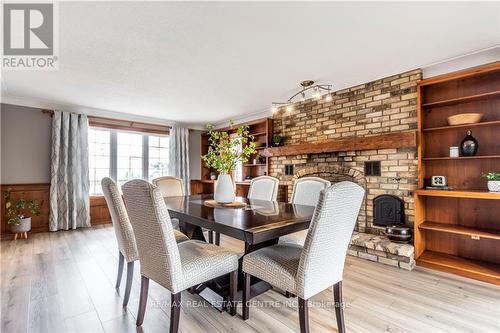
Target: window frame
x,y
113,149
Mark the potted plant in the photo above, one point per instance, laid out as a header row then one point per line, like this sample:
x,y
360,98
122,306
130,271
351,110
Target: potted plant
x,y
278,140
224,153
493,178
15,212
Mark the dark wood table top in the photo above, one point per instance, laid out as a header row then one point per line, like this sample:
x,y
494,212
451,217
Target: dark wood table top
x,y
260,221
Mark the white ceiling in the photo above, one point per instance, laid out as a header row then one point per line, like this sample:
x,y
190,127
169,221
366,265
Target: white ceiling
x,y
207,62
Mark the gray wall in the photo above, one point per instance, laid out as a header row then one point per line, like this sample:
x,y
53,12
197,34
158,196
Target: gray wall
x,y
25,143
194,154
25,156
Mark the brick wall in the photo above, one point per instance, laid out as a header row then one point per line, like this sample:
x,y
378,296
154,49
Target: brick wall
x,y
382,106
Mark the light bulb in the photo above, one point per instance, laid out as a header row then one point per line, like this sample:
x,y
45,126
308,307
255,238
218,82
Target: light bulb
x,y
316,93
274,109
289,108
328,98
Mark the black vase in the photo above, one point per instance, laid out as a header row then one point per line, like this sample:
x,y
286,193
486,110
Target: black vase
x,y
469,145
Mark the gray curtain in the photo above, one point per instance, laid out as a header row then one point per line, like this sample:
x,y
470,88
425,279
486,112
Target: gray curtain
x,y
178,165
69,185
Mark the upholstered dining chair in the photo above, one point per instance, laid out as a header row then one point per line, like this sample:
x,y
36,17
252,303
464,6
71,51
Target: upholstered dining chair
x,y
127,248
307,270
263,188
176,267
306,191
170,186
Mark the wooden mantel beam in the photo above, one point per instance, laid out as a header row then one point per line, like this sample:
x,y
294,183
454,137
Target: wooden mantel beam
x,y
382,141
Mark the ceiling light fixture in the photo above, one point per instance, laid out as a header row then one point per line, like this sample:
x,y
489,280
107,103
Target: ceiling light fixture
x,y
308,90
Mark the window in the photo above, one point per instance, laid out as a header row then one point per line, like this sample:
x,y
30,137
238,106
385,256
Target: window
x,y
158,156
99,158
129,157
238,170
124,156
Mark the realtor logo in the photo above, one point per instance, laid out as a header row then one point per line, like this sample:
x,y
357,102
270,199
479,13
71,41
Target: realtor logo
x,y
28,36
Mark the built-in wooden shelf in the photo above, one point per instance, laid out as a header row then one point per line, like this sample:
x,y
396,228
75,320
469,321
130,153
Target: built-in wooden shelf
x,y
459,158
460,230
476,269
465,99
255,165
259,133
382,141
442,128
466,194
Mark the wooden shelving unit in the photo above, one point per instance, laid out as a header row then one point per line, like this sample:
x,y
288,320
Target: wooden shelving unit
x,y
458,231
262,131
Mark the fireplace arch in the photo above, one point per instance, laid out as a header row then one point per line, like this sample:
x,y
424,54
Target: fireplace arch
x,y
335,174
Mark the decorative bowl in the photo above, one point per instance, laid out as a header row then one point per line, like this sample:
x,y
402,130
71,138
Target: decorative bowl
x,y
398,233
464,118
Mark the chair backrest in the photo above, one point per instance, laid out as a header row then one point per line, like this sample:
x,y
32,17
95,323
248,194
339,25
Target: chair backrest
x,y
170,186
322,260
306,190
263,188
123,229
158,251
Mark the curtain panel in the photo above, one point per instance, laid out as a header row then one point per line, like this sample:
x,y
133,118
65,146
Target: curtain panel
x,y
178,165
69,186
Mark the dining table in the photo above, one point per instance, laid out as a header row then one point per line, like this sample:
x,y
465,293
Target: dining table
x,y
258,224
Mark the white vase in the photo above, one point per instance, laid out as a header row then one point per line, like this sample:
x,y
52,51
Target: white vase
x,y
224,189
494,185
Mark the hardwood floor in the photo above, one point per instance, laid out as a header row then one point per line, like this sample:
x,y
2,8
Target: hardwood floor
x,y
64,282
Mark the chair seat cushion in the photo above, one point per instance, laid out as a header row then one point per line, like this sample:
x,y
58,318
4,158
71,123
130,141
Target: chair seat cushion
x,y
180,237
297,238
277,265
202,262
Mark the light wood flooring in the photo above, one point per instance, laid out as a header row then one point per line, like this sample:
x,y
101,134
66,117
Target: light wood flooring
x,y
64,282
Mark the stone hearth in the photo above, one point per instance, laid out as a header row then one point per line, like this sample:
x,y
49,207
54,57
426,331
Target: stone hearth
x,y
380,249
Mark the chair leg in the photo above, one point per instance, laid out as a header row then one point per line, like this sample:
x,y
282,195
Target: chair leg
x,y
246,297
339,307
233,288
303,316
210,236
128,286
143,300
217,238
120,270
175,312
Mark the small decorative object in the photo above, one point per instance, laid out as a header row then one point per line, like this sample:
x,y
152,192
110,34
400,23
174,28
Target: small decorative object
x,y
278,140
213,176
469,145
398,233
438,181
454,152
493,178
215,204
224,154
15,212
255,161
464,118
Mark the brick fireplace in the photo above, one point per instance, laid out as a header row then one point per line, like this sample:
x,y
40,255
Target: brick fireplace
x,y
387,105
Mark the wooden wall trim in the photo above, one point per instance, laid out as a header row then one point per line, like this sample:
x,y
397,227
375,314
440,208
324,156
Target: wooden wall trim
x,y
99,213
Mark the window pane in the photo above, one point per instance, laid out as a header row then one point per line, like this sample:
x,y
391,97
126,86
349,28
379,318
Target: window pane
x,y
99,158
129,157
158,156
